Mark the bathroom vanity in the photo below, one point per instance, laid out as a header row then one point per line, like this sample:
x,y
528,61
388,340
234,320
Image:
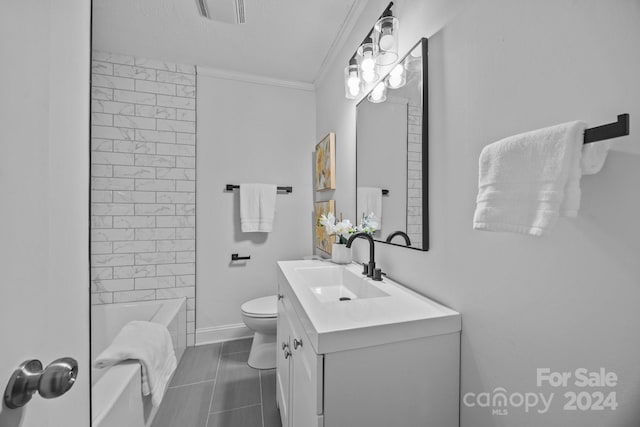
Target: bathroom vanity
x,y
356,352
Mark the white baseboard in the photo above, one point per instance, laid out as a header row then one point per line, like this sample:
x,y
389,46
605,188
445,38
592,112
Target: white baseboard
x,y
222,333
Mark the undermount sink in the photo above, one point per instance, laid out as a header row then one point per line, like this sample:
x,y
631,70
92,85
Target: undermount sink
x,y
336,283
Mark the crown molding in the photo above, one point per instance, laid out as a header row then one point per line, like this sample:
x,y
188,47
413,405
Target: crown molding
x,y
253,78
345,30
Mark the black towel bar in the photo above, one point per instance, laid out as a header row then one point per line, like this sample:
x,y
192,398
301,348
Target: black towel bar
x,y
231,187
608,131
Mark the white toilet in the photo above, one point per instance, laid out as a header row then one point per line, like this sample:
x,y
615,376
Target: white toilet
x,y
261,316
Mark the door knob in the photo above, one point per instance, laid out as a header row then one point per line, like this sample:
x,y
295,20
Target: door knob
x,y
53,381
296,343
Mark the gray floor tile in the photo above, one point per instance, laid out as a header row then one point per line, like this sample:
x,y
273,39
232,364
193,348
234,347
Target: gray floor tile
x,y
186,406
270,412
237,384
237,346
197,364
244,417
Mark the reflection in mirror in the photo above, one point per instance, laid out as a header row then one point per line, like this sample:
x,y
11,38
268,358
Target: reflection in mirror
x,y
391,153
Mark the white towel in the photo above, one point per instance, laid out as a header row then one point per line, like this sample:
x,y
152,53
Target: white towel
x,y
593,156
257,207
150,343
369,200
527,181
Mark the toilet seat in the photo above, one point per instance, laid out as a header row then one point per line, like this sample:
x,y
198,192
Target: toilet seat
x,y
265,307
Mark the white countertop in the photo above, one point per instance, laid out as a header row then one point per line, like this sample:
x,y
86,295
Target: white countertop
x,y
343,325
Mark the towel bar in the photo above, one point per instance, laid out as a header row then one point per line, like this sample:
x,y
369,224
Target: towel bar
x,y
608,131
231,187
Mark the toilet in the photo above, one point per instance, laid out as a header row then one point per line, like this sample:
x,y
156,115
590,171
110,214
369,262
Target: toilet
x,y
261,316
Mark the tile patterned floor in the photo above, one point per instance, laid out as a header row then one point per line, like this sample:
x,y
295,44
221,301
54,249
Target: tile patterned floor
x,y
214,387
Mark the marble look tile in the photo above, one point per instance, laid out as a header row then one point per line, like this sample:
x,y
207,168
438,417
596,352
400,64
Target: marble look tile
x,y
110,132
171,293
134,97
155,283
112,82
155,209
176,125
154,185
129,296
108,158
155,87
101,247
185,233
112,107
112,234
134,147
112,184
176,173
105,171
176,221
186,162
158,258
134,271
134,196
188,280
154,160
101,93
188,115
186,186
101,298
185,209
176,101
178,78
186,91
187,69
175,197
186,138
155,136
98,221
134,122
156,112
132,72
101,119
101,67
100,144
186,256
133,221
155,233
176,245
101,273
175,269
134,246
111,260
176,149
113,285
111,209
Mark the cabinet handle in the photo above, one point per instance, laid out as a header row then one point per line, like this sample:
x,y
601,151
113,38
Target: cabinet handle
x,y
280,296
287,354
296,344
284,345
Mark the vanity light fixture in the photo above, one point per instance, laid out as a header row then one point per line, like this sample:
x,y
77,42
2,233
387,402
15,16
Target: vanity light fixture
x,y
386,38
352,80
378,94
397,77
367,54
378,49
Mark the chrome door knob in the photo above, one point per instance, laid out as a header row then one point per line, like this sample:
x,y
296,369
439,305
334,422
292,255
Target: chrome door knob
x,y
287,354
284,345
53,381
297,343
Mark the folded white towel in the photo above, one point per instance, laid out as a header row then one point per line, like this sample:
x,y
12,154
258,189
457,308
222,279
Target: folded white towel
x,y
150,343
593,156
257,207
527,181
369,200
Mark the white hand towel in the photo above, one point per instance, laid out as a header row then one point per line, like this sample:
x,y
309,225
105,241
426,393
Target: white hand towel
x,y
369,200
150,343
593,156
257,207
527,181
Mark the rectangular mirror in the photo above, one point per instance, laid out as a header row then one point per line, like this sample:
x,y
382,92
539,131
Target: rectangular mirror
x,y
392,136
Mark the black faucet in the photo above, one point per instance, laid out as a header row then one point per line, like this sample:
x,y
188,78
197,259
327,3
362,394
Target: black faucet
x,y
399,233
372,263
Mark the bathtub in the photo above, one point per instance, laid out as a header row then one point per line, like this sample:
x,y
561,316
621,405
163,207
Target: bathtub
x,y
117,399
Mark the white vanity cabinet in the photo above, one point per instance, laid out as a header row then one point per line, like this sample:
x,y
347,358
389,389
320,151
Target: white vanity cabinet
x,y
352,364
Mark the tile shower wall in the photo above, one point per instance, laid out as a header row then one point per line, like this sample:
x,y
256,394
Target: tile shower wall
x,y
414,175
143,173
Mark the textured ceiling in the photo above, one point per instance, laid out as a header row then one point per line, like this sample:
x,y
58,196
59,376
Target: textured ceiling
x,y
283,39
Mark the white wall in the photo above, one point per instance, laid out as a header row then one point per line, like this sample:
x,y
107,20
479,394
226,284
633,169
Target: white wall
x,y
565,301
44,193
248,132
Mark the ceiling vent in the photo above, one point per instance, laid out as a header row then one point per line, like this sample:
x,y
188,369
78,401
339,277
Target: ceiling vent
x,y
230,11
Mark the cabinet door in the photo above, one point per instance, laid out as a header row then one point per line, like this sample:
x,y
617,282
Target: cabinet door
x,y
283,384
306,380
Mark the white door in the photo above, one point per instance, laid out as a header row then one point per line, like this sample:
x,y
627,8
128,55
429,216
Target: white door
x,y
44,200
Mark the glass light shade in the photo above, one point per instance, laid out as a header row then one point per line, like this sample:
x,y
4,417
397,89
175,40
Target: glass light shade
x,y
352,81
397,77
367,61
378,94
385,39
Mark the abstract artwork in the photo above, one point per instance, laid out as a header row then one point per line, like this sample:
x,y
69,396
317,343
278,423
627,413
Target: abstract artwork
x,y
326,163
324,241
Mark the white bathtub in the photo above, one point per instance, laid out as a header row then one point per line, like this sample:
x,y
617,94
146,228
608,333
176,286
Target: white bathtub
x,y
117,399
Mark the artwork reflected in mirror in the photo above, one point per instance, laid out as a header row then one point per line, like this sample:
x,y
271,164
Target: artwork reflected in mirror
x,y
391,153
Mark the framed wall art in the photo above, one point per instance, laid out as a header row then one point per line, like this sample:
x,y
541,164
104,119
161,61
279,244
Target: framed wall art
x,y
326,163
324,241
